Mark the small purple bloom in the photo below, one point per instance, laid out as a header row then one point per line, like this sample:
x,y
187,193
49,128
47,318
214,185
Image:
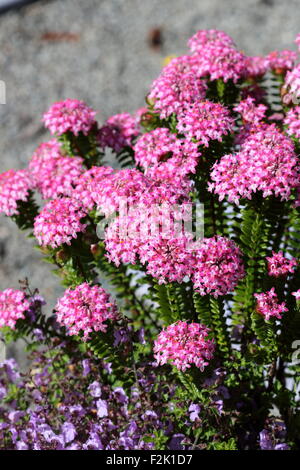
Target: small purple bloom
x,y
102,409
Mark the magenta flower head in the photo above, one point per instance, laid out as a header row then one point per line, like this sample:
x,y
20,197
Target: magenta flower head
x,y
205,121
278,265
184,344
87,183
118,132
15,186
59,222
52,172
218,267
69,116
85,309
177,87
13,305
268,306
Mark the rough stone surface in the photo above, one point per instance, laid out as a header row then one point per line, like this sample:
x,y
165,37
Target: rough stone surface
x,y
98,51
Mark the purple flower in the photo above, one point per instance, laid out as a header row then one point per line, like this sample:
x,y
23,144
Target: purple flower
x,y
120,395
95,389
68,432
175,442
265,440
86,367
194,411
102,409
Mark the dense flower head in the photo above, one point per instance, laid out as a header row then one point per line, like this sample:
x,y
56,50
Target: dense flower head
x,y
205,37
279,265
280,61
123,238
250,112
168,257
218,266
85,309
175,89
268,306
292,121
53,173
15,186
205,121
120,187
183,345
167,154
59,222
266,162
13,305
256,66
291,88
217,56
87,182
69,116
118,132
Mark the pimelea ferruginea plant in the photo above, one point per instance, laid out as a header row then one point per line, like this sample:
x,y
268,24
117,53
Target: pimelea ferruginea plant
x,y
193,342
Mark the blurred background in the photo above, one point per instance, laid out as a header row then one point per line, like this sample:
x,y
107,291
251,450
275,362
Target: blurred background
x,y
107,53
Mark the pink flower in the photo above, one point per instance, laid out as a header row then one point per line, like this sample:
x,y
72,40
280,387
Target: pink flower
x,y
53,173
13,305
292,121
15,186
256,66
118,132
217,56
251,112
296,294
168,257
205,121
69,116
268,306
266,162
59,222
218,266
184,344
177,86
87,184
85,309
280,61
167,154
206,37
278,265
292,86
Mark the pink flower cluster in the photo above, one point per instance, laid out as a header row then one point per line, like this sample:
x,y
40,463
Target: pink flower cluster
x,y
268,306
292,121
59,222
86,190
205,121
170,158
281,61
118,132
278,265
177,87
85,309
69,116
53,173
217,55
218,266
14,186
256,66
184,344
291,87
13,305
168,258
266,162
250,112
